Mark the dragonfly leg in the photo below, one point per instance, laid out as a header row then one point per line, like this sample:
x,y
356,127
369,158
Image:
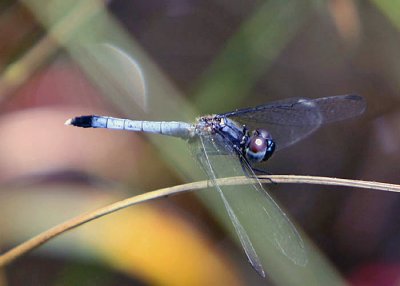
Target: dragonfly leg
x,y
258,172
243,164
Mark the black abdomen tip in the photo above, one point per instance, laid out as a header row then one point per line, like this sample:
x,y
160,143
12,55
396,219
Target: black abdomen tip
x,y
81,121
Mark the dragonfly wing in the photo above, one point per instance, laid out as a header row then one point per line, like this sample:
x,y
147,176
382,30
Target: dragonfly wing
x,y
293,119
261,226
212,173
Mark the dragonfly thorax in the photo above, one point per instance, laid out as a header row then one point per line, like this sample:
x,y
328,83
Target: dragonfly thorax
x,y
214,124
256,147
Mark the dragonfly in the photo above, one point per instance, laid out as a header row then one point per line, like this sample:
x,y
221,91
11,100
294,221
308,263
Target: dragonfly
x,y
236,143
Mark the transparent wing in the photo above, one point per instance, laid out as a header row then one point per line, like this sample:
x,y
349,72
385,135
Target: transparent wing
x,y
261,226
292,119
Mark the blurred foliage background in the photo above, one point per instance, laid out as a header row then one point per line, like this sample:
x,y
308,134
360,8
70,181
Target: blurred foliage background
x,y
175,60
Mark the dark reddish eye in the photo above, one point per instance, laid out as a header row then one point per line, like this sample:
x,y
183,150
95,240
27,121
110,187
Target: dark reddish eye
x,y
260,146
257,144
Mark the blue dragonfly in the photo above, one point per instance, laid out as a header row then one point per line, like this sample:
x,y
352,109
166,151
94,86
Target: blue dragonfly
x,y
232,143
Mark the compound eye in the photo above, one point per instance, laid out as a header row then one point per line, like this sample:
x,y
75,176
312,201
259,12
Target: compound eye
x,y
257,144
260,146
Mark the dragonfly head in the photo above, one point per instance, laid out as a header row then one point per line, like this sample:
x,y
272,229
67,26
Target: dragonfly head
x,y
259,146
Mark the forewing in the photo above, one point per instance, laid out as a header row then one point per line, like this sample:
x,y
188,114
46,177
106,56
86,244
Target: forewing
x,y
292,119
262,227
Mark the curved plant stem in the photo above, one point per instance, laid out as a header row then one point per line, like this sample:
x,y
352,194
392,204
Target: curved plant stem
x,y
45,236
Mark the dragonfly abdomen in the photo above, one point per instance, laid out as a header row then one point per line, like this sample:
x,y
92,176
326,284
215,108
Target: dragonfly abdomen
x,y
171,128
